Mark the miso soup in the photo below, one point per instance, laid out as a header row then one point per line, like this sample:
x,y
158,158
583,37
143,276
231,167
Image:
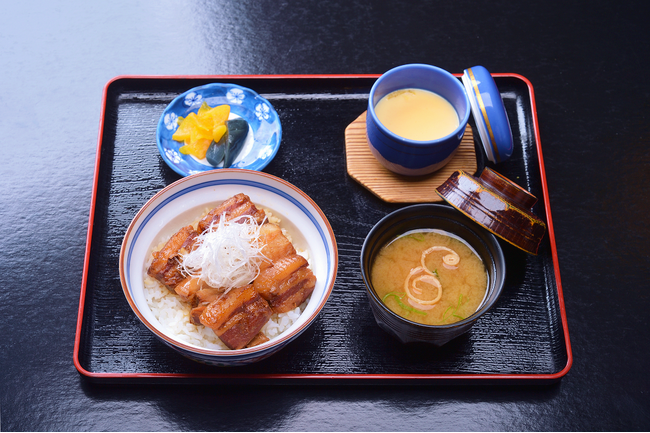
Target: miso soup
x,y
430,277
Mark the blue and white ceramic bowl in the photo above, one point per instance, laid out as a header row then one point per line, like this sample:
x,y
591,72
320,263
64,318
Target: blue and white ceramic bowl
x,y
183,202
412,157
489,113
262,142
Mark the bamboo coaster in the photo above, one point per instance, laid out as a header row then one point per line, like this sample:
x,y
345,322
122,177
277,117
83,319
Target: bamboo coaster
x,y
396,188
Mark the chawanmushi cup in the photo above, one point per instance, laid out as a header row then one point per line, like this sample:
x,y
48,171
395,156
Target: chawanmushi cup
x,y
413,157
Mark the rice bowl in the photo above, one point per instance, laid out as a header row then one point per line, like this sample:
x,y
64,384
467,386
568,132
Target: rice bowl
x,y
179,204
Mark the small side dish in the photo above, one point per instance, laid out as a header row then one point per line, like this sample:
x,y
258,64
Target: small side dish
x,y
213,135
209,135
417,114
198,130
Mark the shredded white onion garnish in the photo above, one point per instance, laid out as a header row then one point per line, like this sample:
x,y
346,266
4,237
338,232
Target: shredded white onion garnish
x,y
228,254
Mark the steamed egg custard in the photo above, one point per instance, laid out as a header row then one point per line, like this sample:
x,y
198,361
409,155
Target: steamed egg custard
x,y
430,277
417,114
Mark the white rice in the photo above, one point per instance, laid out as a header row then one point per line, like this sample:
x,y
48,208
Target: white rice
x,y
174,315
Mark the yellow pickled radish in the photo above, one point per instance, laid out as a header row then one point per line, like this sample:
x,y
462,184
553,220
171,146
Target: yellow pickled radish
x,y
197,148
217,115
198,130
185,128
218,132
203,109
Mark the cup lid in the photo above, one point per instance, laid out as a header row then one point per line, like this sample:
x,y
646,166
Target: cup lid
x,y
489,113
497,204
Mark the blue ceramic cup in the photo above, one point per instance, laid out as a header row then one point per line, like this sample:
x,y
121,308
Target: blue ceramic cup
x,y
412,157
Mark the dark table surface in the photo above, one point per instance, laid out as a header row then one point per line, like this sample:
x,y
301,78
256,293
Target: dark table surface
x,y
586,62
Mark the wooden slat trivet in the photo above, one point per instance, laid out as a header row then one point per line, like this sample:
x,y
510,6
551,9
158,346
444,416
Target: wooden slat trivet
x,y
395,188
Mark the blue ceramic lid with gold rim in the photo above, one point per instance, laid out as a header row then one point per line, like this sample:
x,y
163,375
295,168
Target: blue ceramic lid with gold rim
x,y
489,113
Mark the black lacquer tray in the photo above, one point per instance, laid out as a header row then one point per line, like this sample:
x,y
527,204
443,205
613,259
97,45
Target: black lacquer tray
x,y
523,339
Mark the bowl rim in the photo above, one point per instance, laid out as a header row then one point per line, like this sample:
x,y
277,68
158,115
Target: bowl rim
x,y
485,305
407,142
276,342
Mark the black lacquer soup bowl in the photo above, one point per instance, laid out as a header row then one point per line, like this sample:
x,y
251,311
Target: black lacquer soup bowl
x,y
447,219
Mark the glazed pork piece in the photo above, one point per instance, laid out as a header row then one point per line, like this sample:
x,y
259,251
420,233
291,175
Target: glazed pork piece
x,y
276,245
203,297
237,316
293,291
198,294
188,288
236,206
286,284
166,266
258,339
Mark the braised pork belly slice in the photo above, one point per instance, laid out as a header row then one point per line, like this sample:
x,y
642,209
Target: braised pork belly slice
x,y
188,288
258,339
195,314
166,265
293,291
276,245
286,284
268,279
237,316
236,206
208,294
203,297
197,293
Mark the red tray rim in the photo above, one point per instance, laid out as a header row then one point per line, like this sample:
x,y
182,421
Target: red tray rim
x,y
479,378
